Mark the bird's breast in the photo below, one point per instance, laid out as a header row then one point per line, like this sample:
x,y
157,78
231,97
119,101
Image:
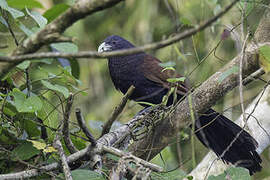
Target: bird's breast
x,y
123,74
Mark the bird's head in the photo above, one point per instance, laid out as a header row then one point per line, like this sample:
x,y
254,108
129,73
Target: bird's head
x,y
113,43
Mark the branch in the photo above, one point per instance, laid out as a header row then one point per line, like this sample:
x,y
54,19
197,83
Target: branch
x,y
258,124
66,135
207,94
52,32
63,158
107,140
94,54
203,97
84,128
259,127
120,153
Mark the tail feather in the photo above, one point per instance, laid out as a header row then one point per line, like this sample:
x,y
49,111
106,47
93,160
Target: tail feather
x,y
217,132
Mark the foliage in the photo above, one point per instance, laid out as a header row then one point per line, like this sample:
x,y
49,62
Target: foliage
x,y
34,93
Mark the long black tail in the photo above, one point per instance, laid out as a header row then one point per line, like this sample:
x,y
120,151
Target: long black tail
x,y
217,133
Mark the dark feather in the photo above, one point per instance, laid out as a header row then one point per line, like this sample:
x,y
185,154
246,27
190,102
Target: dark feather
x,y
214,130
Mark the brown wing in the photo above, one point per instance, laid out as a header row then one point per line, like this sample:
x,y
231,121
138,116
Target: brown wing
x,y
154,72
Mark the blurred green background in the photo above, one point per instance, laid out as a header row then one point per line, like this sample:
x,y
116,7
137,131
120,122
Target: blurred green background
x,y
146,21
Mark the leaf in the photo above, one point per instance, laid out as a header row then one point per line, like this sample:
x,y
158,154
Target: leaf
x,y
174,80
168,68
75,68
65,47
55,11
264,59
24,65
232,173
3,21
24,151
50,117
40,20
14,12
49,149
224,75
32,104
56,87
30,127
21,4
27,31
185,21
167,64
84,174
42,146
23,104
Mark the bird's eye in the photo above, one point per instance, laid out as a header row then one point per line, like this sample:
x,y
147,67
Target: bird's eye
x,y
114,42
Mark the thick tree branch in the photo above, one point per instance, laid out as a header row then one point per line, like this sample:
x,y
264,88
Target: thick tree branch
x,y
207,94
52,32
258,124
203,98
259,127
109,139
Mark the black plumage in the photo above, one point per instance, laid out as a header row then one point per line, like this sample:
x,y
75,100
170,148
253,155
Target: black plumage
x,y
214,130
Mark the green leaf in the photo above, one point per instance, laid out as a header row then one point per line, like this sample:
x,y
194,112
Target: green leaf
x,y
33,104
23,104
40,20
55,11
174,80
56,87
65,47
30,127
75,68
264,59
185,21
14,12
49,115
168,68
224,75
167,64
24,151
21,4
3,21
146,103
24,65
84,174
233,173
27,31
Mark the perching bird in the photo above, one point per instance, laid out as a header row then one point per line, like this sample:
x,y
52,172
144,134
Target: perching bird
x,y
214,130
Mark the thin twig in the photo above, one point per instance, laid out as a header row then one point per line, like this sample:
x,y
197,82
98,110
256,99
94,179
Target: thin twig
x,y
118,109
64,162
84,128
241,78
5,16
120,153
65,131
253,76
28,82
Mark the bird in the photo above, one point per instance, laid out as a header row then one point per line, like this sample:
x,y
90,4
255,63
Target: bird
x,y
150,79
